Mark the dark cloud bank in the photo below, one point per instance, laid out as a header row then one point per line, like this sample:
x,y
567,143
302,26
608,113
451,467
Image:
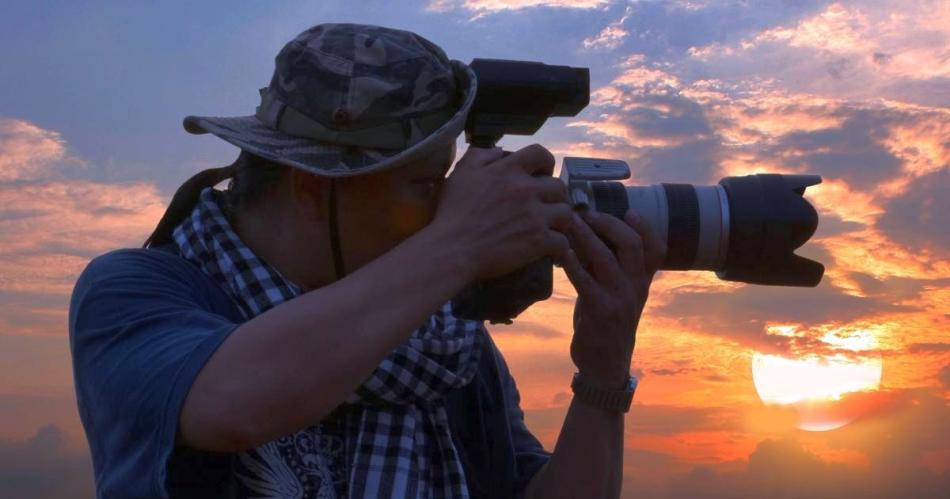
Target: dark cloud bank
x,y
44,467
900,434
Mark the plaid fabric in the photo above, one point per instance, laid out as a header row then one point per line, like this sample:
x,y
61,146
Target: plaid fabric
x,y
403,446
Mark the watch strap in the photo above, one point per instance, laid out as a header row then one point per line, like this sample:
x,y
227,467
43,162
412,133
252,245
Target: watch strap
x,y
614,400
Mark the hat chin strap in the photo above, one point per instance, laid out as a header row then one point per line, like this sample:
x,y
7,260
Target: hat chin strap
x,y
335,233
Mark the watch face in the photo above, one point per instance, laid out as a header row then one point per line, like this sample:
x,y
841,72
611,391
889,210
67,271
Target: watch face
x,y
632,383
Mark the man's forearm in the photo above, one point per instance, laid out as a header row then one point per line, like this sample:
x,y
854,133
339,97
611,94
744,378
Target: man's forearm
x,y
588,458
290,366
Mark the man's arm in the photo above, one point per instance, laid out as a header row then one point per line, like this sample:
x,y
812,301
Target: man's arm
x,y
291,365
612,290
588,458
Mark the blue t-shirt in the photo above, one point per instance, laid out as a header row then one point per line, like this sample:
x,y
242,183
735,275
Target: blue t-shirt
x,y
142,323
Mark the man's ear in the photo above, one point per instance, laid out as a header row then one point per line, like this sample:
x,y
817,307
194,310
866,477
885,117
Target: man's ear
x,y
308,194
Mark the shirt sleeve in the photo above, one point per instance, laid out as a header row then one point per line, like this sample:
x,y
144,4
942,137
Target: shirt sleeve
x,y
530,455
140,330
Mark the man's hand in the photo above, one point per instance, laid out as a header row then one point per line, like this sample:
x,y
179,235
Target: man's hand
x,y
503,212
612,288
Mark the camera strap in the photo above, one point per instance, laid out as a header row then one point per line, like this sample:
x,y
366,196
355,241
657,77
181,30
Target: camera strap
x,y
335,233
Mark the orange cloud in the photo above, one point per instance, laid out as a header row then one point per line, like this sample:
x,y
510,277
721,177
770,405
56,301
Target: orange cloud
x,y
612,36
898,44
836,28
921,144
852,49
611,128
878,457
27,151
51,229
52,225
876,286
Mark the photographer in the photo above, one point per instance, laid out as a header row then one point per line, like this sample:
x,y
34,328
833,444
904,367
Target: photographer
x,y
292,336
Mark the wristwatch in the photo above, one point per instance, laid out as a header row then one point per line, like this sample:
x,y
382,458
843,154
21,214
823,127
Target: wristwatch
x,y
614,400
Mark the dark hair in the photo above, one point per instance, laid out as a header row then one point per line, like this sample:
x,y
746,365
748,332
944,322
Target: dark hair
x,y
251,176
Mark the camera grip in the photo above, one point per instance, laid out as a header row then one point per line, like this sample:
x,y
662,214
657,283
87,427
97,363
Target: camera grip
x,y
501,299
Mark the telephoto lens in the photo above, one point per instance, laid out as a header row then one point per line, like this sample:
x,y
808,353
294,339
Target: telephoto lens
x,y
744,228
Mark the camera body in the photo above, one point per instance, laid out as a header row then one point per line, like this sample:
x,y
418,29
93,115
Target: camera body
x,y
743,228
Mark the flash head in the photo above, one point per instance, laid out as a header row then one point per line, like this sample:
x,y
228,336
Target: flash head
x,y
517,97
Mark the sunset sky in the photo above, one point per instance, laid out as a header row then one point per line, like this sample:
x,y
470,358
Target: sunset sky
x,y
745,391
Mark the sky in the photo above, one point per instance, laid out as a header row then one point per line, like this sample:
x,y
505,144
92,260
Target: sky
x,y
745,391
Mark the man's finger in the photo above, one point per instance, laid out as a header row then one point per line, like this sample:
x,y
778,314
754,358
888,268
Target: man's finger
x,y
626,242
533,160
600,259
582,281
551,190
654,249
559,216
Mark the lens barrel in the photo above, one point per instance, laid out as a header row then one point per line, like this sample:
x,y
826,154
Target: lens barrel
x,y
745,228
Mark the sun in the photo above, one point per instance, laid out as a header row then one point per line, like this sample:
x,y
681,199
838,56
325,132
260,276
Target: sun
x,y
817,385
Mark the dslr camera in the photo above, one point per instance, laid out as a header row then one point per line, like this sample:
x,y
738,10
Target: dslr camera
x,y
745,229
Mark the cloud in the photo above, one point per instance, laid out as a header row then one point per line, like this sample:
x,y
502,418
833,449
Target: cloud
x,y
853,50
900,435
925,348
662,122
484,7
785,467
645,421
931,92
20,412
831,224
609,38
705,89
29,152
879,161
919,217
852,151
775,465
659,419
34,364
612,36
526,327
944,376
53,228
692,162
744,314
53,225
670,372
44,467
644,116
809,99
897,289
670,28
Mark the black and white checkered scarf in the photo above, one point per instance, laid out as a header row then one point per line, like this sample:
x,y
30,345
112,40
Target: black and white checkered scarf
x,y
403,447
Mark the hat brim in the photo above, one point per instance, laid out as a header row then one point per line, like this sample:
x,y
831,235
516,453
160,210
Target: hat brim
x,y
332,160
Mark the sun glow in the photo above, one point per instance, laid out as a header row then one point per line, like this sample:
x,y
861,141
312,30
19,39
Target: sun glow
x,y
814,384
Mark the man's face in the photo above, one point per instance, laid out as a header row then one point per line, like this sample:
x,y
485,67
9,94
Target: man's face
x,y
379,210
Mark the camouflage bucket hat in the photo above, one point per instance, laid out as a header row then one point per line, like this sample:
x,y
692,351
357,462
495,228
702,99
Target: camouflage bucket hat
x,y
350,99
345,100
